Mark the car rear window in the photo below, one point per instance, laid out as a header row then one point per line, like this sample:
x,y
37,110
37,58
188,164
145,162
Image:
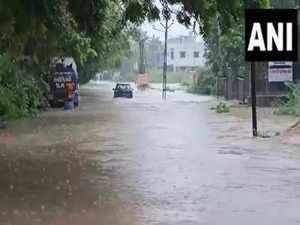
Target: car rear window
x,y
123,86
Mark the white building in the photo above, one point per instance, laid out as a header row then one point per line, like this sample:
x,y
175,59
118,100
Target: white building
x,y
185,53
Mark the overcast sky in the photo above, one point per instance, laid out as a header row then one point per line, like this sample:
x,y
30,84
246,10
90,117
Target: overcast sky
x,y
175,31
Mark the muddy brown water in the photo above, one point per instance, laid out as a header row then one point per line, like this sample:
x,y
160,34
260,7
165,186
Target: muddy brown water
x,y
144,161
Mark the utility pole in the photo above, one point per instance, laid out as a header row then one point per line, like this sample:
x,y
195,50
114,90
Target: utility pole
x,y
253,88
142,57
167,17
253,99
219,53
164,93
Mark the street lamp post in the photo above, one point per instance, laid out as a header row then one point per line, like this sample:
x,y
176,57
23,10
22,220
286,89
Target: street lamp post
x,y
167,16
164,93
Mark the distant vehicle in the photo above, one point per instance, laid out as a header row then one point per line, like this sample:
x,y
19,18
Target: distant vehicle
x,y
170,89
123,90
142,81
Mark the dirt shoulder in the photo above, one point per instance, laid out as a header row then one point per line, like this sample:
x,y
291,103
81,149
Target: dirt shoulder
x,y
292,135
286,129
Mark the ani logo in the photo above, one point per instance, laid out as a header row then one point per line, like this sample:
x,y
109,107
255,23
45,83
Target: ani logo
x,y
271,35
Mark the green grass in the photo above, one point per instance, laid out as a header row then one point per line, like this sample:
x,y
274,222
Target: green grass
x,y
155,76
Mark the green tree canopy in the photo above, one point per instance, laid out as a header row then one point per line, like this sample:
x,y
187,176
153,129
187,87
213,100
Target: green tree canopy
x,y
95,33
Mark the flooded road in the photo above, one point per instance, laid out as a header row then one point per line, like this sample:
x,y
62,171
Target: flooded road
x,y
144,161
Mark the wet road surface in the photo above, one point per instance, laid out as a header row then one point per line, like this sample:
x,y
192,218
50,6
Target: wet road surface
x,y
145,161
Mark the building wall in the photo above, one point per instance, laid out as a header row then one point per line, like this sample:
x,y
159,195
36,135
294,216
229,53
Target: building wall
x,y
187,45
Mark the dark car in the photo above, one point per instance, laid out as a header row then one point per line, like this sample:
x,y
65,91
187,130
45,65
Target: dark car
x,y
123,90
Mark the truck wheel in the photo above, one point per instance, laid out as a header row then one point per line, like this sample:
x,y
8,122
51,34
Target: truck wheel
x,y
76,100
53,104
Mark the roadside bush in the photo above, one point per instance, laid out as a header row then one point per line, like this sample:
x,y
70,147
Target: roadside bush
x,y
193,89
292,106
222,108
8,109
206,84
21,94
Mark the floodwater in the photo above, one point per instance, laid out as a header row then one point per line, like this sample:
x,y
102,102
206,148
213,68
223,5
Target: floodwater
x,y
145,161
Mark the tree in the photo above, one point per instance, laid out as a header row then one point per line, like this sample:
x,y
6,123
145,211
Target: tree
x,y
154,52
93,32
86,29
288,4
225,48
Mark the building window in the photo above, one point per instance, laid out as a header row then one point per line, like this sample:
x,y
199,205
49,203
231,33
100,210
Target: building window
x,y
182,54
196,54
172,55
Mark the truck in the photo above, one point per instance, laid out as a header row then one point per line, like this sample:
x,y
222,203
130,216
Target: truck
x,y
64,84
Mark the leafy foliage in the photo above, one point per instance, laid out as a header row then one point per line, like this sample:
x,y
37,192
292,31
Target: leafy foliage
x,y
33,33
154,52
206,84
225,47
292,106
222,107
20,95
288,4
225,52
96,33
